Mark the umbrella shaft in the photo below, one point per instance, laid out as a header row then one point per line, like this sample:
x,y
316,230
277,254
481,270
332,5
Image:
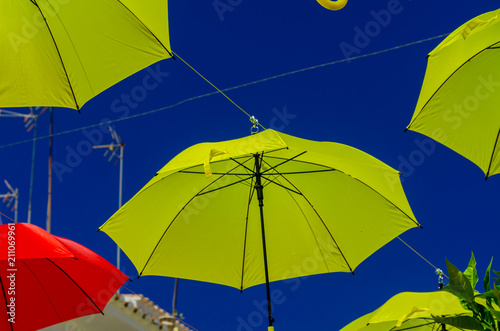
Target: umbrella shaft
x,y
260,196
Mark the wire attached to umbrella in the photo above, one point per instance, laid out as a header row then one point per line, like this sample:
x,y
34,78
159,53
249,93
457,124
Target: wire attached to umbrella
x,y
149,112
438,271
209,82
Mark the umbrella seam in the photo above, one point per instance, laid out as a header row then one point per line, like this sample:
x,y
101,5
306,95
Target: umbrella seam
x,y
43,288
492,155
151,32
322,221
81,289
310,227
446,80
176,217
392,203
6,303
60,56
250,196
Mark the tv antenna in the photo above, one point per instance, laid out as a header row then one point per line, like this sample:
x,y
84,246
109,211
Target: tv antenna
x,y
10,198
30,123
115,157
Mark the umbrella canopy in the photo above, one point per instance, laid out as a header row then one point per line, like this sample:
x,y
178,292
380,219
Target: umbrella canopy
x,y
458,103
47,279
246,211
63,53
411,311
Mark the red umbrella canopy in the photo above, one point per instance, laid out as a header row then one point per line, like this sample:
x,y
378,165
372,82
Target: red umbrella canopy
x,y
47,279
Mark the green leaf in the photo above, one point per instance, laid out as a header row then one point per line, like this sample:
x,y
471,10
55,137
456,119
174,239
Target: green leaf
x,y
461,322
486,280
471,272
497,295
495,313
486,295
498,274
460,284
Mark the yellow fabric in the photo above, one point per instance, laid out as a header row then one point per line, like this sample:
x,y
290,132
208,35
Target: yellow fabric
x,y
410,310
474,24
333,4
99,43
183,224
213,152
458,103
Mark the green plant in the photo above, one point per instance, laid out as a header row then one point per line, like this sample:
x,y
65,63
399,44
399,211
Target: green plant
x,y
484,306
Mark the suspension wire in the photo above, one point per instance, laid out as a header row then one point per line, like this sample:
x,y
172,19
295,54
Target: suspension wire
x,y
7,217
215,87
225,90
435,268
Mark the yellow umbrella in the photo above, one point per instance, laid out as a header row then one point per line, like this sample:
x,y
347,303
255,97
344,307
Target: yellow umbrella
x,y
458,103
246,211
63,53
413,311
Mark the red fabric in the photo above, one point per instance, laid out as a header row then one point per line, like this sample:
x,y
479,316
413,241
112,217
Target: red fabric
x,y
52,288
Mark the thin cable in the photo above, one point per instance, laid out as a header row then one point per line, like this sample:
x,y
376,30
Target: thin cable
x,y
215,87
7,217
435,268
223,90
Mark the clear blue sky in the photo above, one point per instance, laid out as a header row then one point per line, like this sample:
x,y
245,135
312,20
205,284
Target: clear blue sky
x,y
365,103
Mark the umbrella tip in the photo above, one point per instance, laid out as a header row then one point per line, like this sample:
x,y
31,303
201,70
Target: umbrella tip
x,y
406,129
99,229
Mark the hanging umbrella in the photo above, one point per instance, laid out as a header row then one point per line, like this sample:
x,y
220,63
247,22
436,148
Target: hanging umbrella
x,y
458,103
47,280
413,311
63,53
244,212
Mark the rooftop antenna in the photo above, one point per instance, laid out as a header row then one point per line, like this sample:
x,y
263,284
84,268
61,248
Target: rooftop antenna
x,y
10,197
112,155
30,123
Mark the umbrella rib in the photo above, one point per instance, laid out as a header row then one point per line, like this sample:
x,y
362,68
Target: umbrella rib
x,y
177,216
213,173
250,196
446,80
286,161
59,54
151,32
321,219
492,155
310,228
248,158
307,172
301,161
244,166
219,188
281,185
77,285
6,303
371,188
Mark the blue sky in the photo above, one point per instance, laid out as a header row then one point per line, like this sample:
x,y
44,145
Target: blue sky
x,y
365,103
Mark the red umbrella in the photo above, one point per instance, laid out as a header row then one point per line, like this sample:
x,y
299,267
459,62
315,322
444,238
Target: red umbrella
x,y
47,279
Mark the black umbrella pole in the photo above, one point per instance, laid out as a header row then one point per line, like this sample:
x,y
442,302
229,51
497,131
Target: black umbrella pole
x,y
260,197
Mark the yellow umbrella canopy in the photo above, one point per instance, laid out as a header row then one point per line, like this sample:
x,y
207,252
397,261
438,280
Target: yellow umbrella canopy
x,y
412,311
244,212
458,103
63,53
